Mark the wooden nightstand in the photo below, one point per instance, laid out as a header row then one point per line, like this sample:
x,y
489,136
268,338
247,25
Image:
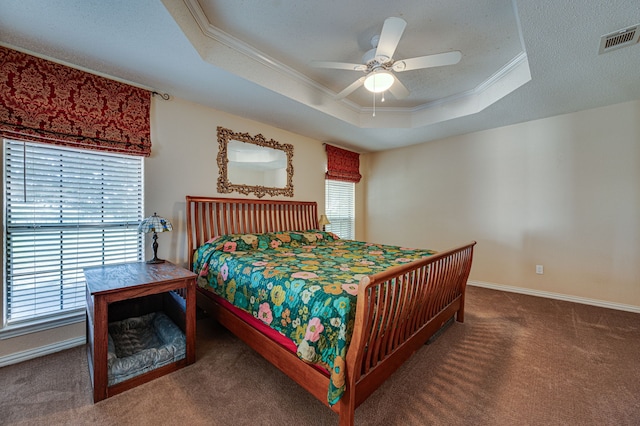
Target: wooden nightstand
x,y
117,292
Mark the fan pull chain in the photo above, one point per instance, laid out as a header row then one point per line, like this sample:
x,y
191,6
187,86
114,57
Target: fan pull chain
x,y
374,104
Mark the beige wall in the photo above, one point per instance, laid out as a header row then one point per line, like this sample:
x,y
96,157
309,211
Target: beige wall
x,y
183,162
563,192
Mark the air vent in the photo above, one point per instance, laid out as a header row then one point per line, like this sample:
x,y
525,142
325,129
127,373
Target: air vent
x,y
621,38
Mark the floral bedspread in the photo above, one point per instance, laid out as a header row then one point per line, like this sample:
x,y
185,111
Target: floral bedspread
x,y
302,284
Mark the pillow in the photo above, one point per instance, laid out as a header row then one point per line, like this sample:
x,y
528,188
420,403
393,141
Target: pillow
x,y
247,242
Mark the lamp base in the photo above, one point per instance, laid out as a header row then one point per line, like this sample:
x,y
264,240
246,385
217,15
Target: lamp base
x,y
155,251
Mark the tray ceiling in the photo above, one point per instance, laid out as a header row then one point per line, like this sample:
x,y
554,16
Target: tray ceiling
x,y
520,60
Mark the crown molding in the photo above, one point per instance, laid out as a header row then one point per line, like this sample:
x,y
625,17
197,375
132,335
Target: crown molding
x,y
504,81
498,77
246,49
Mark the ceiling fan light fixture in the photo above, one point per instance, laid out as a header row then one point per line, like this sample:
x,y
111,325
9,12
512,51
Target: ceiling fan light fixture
x,y
378,81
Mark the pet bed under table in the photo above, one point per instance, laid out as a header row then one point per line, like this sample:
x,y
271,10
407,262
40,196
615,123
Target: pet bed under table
x,y
140,344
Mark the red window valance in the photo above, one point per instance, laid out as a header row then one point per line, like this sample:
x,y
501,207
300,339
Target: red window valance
x,y
342,164
48,102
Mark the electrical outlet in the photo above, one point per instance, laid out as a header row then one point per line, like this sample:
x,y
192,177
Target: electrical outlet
x,y
539,269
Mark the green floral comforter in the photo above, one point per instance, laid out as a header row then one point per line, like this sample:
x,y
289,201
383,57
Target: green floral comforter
x,y
302,284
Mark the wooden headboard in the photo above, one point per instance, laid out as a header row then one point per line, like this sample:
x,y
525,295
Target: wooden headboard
x,y
209,217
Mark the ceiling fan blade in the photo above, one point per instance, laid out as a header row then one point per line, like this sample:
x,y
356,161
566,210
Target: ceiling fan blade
x,y
350,88
429,61
398,90
338,65
390,37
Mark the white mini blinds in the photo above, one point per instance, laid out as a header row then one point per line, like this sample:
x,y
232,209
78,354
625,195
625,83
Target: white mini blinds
x,y
65,209
340,208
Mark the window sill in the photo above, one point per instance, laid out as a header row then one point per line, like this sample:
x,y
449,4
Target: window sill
x,y
15,330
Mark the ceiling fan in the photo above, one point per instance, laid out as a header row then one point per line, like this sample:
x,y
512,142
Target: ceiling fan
x,y
378,63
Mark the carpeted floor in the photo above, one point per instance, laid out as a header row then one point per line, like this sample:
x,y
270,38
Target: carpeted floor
x,y
517,360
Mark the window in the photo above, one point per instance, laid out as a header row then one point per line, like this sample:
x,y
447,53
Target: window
x,y
65,209
340,208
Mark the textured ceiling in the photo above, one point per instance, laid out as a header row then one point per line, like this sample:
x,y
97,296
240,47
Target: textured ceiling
x,y
520,61
322,31
273,46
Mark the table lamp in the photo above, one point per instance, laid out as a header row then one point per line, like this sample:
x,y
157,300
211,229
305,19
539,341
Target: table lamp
x,y
155,224
324,221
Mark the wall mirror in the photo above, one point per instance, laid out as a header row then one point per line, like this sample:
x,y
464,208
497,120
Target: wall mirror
x,y
251,164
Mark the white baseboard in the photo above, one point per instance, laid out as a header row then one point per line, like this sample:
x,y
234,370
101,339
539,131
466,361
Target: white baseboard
x,y
557,296
17,357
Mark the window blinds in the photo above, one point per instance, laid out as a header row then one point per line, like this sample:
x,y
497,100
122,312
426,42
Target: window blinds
x,y
340,208
65,210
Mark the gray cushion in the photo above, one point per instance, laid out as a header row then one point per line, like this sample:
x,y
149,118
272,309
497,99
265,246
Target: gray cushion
x,y
141,344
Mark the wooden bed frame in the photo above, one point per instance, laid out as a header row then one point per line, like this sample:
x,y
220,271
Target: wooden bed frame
x,y
397,310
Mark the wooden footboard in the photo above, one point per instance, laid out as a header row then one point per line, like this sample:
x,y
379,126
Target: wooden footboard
x,y
397,310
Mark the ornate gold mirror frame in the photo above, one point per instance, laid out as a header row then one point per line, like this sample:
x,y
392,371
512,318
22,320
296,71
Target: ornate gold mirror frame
x,y
225,186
